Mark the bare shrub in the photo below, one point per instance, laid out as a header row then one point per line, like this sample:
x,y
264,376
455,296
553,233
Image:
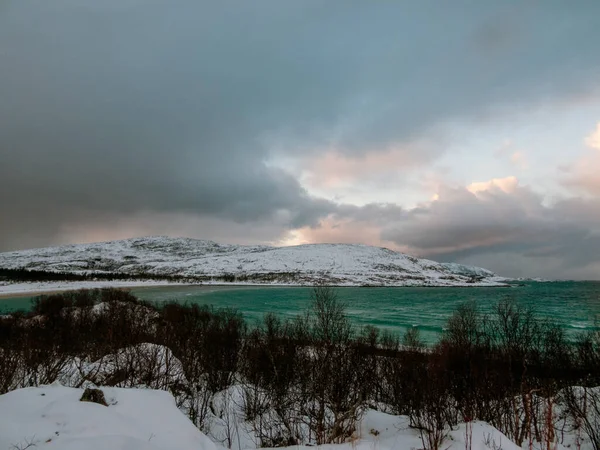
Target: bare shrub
x,y
432,418
583,404
412,341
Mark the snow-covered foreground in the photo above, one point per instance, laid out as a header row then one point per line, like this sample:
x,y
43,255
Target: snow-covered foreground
x,y
52,417
336,264
140,417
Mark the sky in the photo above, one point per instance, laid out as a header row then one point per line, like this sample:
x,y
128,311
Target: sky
x,y
462,131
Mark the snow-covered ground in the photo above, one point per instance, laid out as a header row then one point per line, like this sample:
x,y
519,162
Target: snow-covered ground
x,y
336,264
52,417
140,417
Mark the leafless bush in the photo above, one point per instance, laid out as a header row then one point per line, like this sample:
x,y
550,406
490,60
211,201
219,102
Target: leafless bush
x,y
583,404
411,340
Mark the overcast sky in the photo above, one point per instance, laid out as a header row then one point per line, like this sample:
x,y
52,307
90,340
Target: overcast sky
x,y
460,131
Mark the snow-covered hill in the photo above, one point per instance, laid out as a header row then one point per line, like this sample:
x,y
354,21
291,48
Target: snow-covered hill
x,y
207,261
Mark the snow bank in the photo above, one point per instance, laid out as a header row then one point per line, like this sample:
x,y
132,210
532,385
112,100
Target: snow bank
x,y
52,417
384,431
148,366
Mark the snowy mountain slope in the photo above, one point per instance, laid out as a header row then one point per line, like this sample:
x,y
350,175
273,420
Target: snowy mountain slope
x,y
340,264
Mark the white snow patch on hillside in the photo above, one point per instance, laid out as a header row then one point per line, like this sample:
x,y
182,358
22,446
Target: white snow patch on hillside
x,y
336,264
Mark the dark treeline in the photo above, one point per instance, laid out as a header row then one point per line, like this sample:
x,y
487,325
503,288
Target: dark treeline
x,y
28,275
32,275
309,379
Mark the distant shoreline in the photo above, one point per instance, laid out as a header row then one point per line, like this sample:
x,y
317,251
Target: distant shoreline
x,y
19,290
52,287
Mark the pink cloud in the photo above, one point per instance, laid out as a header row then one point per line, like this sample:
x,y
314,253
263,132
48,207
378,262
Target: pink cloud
x,y
507,185
340,230
483,203
584,173
593,140
335,169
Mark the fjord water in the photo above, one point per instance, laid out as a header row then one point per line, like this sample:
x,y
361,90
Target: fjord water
x,y
573,305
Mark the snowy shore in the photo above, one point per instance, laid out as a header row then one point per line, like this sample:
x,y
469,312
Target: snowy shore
x,y
47,287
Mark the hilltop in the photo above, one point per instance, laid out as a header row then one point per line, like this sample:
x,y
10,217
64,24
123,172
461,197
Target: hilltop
x,y
210,262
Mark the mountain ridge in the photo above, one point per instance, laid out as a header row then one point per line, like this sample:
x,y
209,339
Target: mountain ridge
x,y
209,261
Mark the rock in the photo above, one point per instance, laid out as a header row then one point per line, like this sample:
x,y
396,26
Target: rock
x,y
94,396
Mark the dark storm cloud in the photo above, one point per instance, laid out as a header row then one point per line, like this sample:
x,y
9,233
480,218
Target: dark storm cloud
x,y
511,232
503,226
113,107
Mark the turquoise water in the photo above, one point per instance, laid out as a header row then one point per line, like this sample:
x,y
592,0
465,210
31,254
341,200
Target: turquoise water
x,y
574,305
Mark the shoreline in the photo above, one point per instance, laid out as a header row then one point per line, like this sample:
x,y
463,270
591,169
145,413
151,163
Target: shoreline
x,y
19,290
33,289
36,289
